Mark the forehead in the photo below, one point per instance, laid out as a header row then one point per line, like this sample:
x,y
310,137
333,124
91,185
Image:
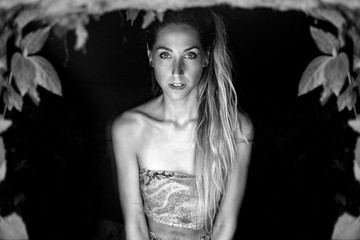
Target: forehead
x,y
177,35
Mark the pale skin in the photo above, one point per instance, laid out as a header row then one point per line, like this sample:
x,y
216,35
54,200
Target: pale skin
x,y
159,135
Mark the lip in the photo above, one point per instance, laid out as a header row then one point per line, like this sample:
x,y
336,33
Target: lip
x,y
177,86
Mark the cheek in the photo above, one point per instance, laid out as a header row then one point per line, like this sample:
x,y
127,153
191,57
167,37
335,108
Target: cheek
x,y
162,66
161,74
194,69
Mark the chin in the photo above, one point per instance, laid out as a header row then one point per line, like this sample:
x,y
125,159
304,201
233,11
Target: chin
x,y
178,97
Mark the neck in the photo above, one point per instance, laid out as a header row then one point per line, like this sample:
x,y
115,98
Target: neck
x,y
181,111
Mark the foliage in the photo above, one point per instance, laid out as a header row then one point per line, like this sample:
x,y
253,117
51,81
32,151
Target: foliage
x,y
23,33
346,227
131,15
12,227
26,69
148,18
337,70
332,69
29,70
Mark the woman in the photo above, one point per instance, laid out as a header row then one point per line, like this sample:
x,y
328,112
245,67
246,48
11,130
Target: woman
x,y
182,157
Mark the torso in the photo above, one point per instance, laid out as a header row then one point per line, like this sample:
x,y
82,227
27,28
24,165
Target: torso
x,y
162,145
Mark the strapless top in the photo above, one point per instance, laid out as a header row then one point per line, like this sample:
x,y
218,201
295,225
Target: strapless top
x,y
170,198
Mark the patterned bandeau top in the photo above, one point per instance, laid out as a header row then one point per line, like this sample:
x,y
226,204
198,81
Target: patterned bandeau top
x,y
170,198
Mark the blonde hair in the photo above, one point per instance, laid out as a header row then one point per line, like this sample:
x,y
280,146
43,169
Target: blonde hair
x,y
218,115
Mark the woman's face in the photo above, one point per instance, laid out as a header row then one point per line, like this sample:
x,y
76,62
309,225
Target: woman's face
x,y
178,60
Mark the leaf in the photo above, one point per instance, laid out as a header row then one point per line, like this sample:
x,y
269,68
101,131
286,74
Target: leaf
x,y
26,17
3,64
5,35
148,19
325,95
347,98
356,63
2,171
356,170
346,227
24,73
330,15
160,16
313,75
81,36
325,41
2,160
46,75
12,98
131,14
2,151
34,41
34,96
357,154
335,73
13,227
23,19
355,124
4,124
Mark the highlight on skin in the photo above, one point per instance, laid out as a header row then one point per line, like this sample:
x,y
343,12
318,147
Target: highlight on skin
x,y
218,118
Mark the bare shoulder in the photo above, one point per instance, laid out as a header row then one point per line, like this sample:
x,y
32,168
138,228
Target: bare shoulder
x,y
132,122
126,137
127,122
246,127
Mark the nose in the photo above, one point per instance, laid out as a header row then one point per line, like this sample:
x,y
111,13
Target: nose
x,y
178,68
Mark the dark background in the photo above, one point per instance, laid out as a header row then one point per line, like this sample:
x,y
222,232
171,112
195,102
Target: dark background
x,y
60,166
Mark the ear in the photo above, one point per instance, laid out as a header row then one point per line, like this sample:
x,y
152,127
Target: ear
x,y
208,54
207,59
149,52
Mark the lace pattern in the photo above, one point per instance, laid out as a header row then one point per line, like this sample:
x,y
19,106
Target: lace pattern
x,y
170,198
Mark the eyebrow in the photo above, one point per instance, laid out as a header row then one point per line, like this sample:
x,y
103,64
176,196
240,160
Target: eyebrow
x,y
168,49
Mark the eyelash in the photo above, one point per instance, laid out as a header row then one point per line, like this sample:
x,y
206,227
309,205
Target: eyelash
x,y
189,55
193,55
164,55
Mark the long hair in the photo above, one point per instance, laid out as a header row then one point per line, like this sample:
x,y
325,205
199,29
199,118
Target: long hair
x,y
217,117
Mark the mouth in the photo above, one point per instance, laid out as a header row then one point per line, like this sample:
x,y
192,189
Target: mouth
x,y
177,86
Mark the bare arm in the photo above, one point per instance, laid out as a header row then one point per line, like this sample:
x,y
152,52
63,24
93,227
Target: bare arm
x,y
226,220
124,134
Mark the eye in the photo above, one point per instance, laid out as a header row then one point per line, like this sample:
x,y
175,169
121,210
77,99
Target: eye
x,y
190,55
165,55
